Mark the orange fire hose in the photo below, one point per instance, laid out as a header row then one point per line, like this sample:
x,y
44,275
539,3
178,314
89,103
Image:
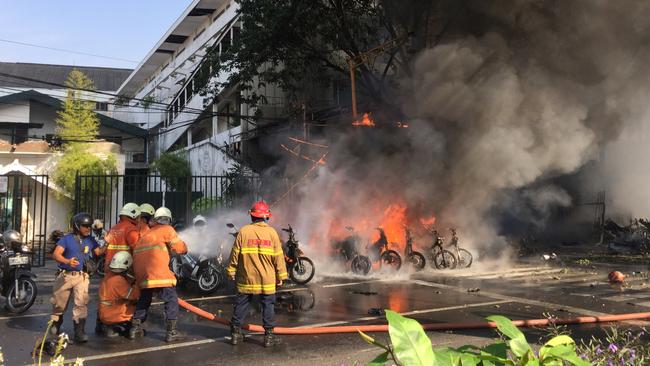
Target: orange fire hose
x,y
435,326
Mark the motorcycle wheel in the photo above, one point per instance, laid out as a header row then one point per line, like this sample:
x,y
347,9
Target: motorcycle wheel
x,y
444,260
465,258
28,288
208,280
302,271
361,265
392,259
100,266
417,261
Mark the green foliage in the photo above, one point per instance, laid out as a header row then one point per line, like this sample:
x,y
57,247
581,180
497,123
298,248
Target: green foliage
x,y
411,346
618,348
78,160
147,101
57,359
77,120
204,205
174,168
301,46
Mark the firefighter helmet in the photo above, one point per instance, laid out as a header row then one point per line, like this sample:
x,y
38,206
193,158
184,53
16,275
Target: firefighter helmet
x,y
148,209
261,210
130,210
121,262
616,277
163,216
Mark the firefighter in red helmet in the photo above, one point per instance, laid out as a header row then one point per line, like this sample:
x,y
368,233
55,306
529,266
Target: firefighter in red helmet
x,y
257,265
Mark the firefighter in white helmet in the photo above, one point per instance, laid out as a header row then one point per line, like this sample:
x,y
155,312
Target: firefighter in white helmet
x,y
118,295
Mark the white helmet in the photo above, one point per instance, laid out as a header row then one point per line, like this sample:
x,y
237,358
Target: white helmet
x,y
121,262
131,210
147,208
98,224
199,220
163,216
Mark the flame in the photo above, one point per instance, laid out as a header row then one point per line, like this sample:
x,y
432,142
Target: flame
x,y
393,224
364,121
428,221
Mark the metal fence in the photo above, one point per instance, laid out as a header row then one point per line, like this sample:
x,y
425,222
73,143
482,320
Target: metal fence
x,y
103,195
24,208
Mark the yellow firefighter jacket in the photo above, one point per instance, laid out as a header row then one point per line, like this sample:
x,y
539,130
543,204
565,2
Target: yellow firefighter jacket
x,y
257,259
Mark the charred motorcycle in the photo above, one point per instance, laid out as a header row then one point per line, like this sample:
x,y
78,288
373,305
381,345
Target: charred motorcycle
x,y
300,268
18,286
379,251
414,258
440,258
359,264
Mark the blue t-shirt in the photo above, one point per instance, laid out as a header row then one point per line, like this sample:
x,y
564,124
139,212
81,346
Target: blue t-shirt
x,y
71,248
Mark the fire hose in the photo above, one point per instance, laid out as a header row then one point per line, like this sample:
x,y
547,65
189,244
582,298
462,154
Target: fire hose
x,y
433,327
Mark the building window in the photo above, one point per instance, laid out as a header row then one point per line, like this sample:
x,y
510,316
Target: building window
x,y
101,106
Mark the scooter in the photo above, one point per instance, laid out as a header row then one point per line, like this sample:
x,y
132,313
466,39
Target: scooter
x,y
415,258
380,252
17,284
360,264
205,273
300,268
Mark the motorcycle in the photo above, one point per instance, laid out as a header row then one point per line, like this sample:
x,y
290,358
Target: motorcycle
x,y
415,258
18,286
206,273
379,251
440,258
300,268
360,264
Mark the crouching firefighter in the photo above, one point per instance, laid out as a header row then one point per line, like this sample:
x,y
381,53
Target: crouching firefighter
x,y
151,255
72,252
257,265
118,295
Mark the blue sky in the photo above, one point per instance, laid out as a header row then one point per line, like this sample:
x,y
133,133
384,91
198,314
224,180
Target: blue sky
x,y
125,29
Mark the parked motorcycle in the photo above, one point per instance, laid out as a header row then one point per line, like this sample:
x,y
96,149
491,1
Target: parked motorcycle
x,y
206,273
463,257
440,258
359,264
379,251
18,286
415,258
300,268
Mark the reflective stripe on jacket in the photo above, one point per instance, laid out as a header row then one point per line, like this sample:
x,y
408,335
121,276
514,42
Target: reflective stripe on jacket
x,y
151,257
117,299
121,237
257,259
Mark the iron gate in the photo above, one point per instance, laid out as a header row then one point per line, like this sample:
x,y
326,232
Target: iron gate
x,y
103,195
23,207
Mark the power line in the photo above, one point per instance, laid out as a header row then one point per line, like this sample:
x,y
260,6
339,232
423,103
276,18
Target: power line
x,y
68,51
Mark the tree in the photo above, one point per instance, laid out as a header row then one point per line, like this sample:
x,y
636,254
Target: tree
x,y
78,127
77,121
173,167
298,45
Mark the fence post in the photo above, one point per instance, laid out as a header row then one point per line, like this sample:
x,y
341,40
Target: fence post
x,y
188,201
77,192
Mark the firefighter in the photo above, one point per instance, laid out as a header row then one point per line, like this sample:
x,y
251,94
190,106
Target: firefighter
x,y
71,252
257,265
123,235
117,296
151,255
146,214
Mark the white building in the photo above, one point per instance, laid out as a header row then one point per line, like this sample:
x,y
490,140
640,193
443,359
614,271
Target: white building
x,y
179,118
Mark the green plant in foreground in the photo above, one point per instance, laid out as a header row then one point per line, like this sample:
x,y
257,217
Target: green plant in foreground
x,y
57,359
619,347
412,347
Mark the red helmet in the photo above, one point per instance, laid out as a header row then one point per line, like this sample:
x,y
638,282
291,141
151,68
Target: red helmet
x,y
616,277
260,209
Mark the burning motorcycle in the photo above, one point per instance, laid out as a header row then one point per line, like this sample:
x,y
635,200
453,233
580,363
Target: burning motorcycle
x,y
415,258
360,264
379,251
463,257
300,268
18,287
440,258
206,273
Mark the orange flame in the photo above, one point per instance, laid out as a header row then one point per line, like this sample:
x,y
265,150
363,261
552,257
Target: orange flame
x,y
364,121
428,221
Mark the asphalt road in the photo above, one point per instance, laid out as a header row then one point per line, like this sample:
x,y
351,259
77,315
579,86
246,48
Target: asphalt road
x,y
519,292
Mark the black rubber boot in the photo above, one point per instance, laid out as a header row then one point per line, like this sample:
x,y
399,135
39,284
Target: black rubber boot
x,y
172,333
235,335
136,330
55,329
79,332
109,331
269,338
